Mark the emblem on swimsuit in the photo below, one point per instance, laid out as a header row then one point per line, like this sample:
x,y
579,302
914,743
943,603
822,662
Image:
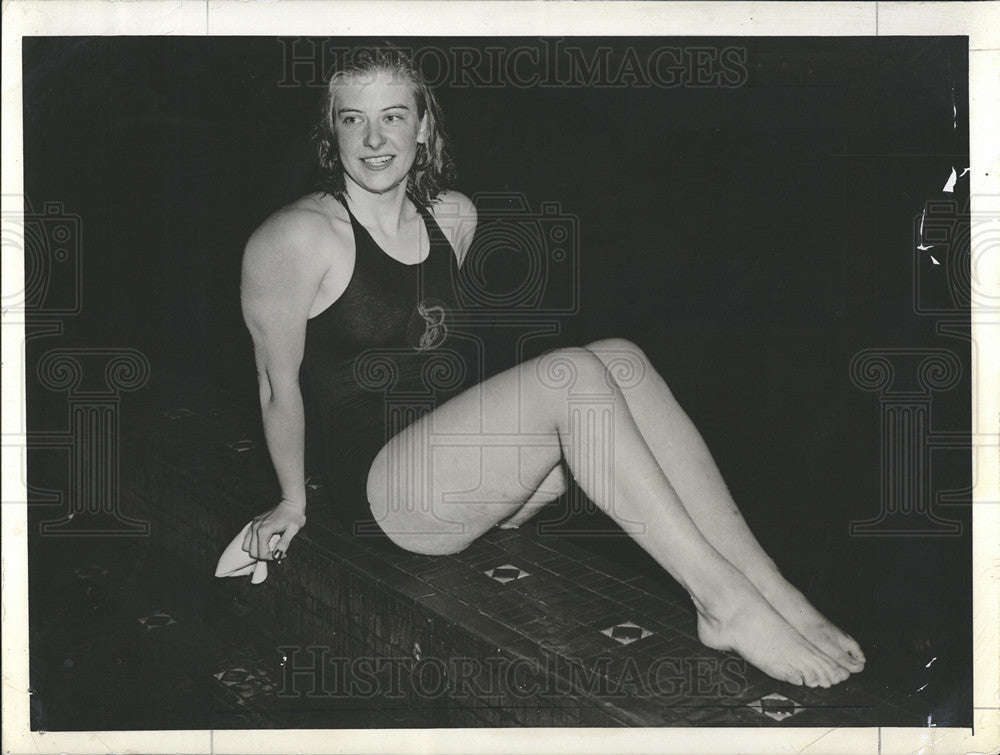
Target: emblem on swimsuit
x,y
430,315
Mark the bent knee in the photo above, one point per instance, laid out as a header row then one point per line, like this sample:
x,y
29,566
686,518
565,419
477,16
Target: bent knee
x,y
571,369
626,363
621,347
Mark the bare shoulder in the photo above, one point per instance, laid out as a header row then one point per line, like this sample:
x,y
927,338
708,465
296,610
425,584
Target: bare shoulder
x,y
453,208
305,228
291,253
456,215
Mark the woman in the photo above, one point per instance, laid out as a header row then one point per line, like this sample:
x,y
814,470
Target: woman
x,y
352,289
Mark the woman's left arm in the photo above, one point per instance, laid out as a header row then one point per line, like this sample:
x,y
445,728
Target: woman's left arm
x,y
457,217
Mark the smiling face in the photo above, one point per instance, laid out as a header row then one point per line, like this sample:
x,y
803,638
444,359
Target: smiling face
x,y
379,129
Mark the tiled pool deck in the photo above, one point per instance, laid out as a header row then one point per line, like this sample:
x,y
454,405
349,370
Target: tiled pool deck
x,y
517,630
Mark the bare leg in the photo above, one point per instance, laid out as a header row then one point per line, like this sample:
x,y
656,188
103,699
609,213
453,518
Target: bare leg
x,y
485,446
553,486
685,460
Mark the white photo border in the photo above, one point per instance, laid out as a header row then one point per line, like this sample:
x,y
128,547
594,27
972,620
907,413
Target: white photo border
x,y
980,21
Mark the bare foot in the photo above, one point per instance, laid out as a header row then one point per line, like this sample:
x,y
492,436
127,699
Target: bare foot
x,y
755,631
810,623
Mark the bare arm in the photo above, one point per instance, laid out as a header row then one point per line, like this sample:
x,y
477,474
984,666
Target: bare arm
x,y
457,217
467,228
282,271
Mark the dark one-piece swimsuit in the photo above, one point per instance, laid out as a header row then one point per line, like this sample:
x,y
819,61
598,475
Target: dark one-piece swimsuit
x,y
381,356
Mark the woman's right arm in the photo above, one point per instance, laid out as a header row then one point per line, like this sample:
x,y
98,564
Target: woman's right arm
x,y
282,270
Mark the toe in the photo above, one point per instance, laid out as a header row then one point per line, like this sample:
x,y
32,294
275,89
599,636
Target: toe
x,y
842,674
853,649
849,662
830,670
826,677
811,676
794,676
820,678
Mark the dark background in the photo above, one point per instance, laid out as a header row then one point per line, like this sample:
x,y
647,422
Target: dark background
x,y
751,239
